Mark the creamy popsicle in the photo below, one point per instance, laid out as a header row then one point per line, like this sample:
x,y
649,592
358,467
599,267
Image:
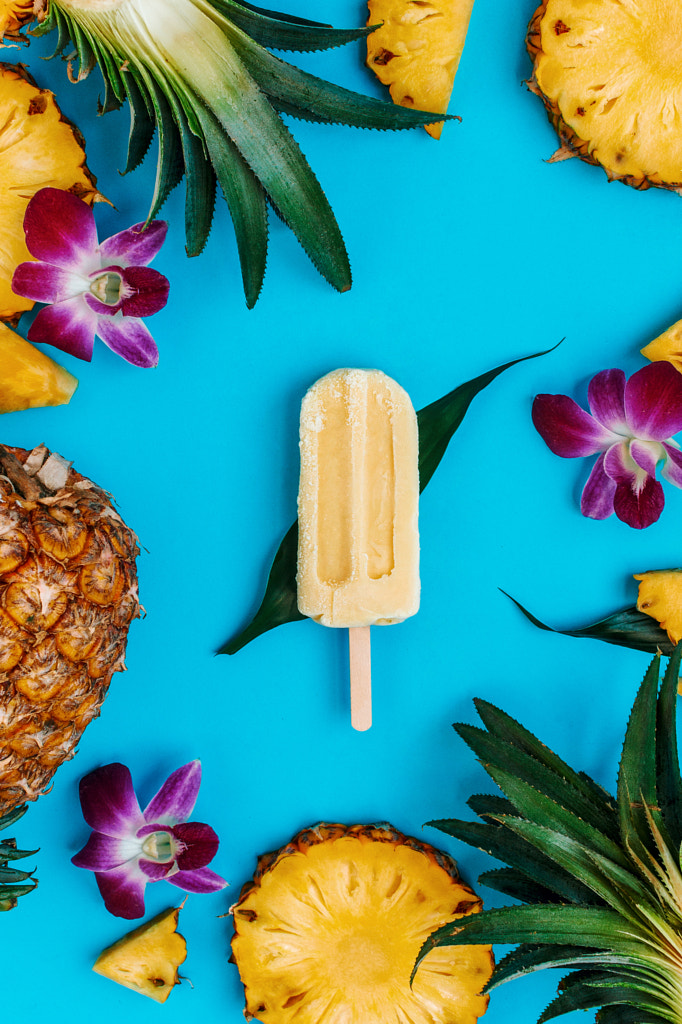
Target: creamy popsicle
x,y
358,539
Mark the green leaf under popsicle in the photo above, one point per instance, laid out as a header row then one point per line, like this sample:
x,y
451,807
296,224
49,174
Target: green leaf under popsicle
x,y
437,424
627,628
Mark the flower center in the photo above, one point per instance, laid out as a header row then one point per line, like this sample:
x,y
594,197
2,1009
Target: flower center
x,y
160,846
107,288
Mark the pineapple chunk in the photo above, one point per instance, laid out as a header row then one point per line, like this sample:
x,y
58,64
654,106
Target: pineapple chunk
x,y
29,377
666,347
147,959
416,50
660,596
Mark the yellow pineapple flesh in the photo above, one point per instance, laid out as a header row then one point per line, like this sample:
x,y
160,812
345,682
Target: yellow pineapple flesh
x,y
417,49
14,15
331,925
146,960
68,592
666,347
29,377
660,596
39,148
610,76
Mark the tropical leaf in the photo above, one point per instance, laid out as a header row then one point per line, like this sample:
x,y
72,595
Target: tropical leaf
x,y
627,628
527,958
637,773
668,788
437,424
518,885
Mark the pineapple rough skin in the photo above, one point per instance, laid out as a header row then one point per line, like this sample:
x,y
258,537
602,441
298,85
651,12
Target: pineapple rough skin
x,y
68,593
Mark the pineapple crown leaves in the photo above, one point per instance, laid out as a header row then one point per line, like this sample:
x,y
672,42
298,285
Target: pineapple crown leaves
x,y
215,94
437,424
13,882
622,943
627,628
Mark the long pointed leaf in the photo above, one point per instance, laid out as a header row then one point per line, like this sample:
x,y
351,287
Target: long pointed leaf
x,y
637,773
526,959
669,785
438,423
281,32
628,628
588,997
518,885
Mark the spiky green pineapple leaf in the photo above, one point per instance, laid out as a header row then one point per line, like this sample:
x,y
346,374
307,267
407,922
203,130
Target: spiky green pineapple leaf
x,y
586,990
620,1014
437,423
543,810
518,885
627,628
527,959
504,844
487,804
503,726
493,750
616,886
283,32
668,784
13,883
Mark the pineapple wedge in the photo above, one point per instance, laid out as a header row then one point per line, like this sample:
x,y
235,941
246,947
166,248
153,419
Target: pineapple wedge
x,y
29,377
329,928
146,960
660,596
667,346
416,50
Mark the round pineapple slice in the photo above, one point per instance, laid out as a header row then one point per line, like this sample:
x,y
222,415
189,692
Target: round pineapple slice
x,y
39,148
331,925
610,77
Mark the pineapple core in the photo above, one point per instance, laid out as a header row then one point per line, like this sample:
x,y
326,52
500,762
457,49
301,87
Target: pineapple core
x,y
331,926
147,959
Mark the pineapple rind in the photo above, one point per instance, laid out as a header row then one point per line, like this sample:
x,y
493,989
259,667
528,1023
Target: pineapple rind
x,y
330,925
608,76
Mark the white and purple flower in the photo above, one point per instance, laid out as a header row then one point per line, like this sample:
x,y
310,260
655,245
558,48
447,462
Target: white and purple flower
x,y
91,288
630,425
129,847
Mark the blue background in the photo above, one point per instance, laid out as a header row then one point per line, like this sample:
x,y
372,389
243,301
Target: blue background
x,y
466,253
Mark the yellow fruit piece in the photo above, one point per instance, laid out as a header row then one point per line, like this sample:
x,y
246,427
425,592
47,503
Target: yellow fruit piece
x,y
39,148
14,14
330,929
666,347
29,378
417,49
147,959
660,596
609,75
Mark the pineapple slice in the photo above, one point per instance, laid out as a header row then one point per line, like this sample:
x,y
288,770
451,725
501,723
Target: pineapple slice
x,y
609,75
330,927
29,377
39,147
147,959
416,50
660,596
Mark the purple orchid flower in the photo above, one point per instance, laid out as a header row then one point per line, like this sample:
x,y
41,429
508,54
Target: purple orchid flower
x,y
129,847
630,425
91,289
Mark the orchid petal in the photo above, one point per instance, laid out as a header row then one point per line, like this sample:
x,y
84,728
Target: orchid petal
x,y
156,826
154,870
129,338
199,880
597,498
149,291
621,467
200,844
175,801
101,308
672,467
103,852
653,401
109,803
69,326
567,429
60,229
647,454
606,397
137,246
639,507
123,890
44,283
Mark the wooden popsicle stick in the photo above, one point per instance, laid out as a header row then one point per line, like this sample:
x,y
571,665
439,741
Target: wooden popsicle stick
x,y
360,656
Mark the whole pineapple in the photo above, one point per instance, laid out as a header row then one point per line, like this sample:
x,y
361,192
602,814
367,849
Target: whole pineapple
x,y
68,592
